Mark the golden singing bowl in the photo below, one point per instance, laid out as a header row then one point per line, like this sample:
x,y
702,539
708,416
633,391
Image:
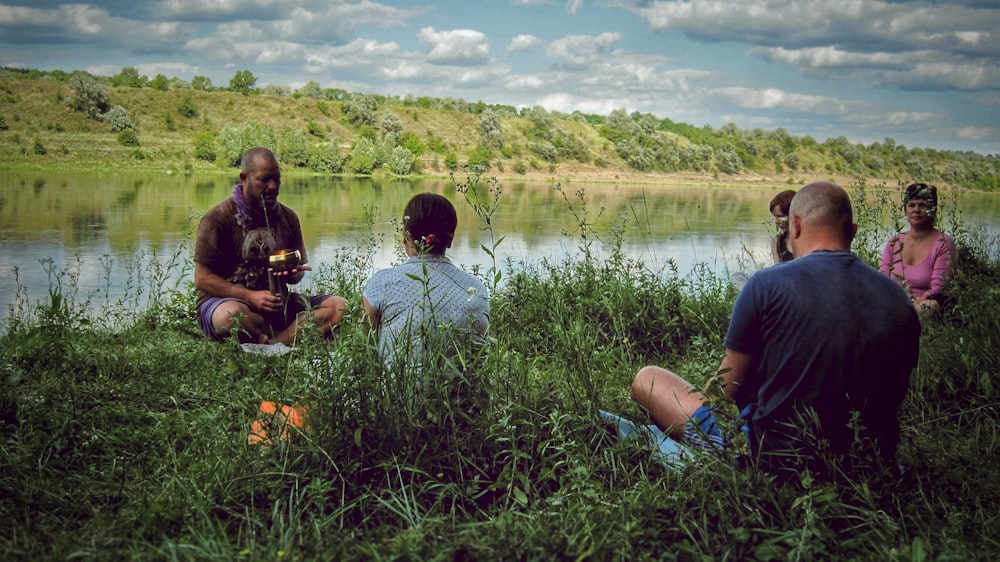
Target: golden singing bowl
x,y
284,259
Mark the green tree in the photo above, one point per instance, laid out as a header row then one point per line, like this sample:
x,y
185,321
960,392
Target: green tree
x,y
360,110
311,89
201,83
489,129
129,77
160,83
243,82
89,96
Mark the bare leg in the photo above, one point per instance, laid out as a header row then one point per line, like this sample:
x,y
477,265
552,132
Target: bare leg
x,y
327,315
232,315
669,399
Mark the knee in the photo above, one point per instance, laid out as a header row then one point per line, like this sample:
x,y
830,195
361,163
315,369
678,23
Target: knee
x,y
334,308
642,384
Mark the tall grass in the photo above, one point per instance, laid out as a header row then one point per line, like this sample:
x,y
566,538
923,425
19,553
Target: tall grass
x,y
124,435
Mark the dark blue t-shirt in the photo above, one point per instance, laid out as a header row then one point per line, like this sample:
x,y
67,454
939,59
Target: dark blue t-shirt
x,y
834,342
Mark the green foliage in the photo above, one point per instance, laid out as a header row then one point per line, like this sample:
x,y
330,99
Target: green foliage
x,y
88,95
360,110
187,108
391,123
410,141
293,149
204,146
315,130
117,119
128,137
39,148
490,130
243,82
480,156
326,158
202,83
451,162
366,156
233,141
160,82
129,77
400,161
3,123
324,108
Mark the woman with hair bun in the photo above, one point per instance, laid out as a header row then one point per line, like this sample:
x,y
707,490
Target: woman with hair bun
x,y
426,296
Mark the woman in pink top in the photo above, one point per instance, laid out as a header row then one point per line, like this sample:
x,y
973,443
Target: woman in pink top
x,y
921,258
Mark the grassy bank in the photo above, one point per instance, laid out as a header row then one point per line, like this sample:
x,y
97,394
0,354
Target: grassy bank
x,y
125,436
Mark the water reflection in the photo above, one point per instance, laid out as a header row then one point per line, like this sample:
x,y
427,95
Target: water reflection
x,y
79,218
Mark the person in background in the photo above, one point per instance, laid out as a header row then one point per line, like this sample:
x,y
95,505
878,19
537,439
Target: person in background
x,y
427,294
234,241
779,210
921,259
818,353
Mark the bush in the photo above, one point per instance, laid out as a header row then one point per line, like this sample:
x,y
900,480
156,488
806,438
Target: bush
x,y
128,138
480,156
88,96
117,119
233,141
360,110
400,161
39,147
293,150
204,146
366,156
187,107
451,162
326,158
3,123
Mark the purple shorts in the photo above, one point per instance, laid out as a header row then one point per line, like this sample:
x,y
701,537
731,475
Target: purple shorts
x,y
277,321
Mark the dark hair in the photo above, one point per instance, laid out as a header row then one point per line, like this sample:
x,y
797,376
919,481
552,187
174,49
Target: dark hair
x,y
921,191
782,200
430,221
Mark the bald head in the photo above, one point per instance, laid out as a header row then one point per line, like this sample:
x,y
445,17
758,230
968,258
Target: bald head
x,y
822,219
249,162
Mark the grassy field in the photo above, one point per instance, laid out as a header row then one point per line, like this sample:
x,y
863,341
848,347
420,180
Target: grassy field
x,y
125,435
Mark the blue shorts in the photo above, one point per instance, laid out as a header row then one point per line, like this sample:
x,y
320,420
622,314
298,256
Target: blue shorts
x,y
277,321
703,431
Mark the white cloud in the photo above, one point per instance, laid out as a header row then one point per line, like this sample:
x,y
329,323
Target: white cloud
x,y
455,47
976,133
521,43
774,98
574,6
580,52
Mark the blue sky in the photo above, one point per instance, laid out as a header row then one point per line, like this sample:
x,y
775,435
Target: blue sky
x,y
925,73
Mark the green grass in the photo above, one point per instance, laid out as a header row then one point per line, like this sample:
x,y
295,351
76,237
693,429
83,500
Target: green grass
x,y
124,435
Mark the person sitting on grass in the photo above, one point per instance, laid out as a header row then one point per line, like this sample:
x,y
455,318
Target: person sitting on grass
x,y
819,350
921,259
412,303
235,239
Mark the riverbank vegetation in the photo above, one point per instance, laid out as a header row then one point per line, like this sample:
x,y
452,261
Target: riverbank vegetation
x,y
125,432
75,119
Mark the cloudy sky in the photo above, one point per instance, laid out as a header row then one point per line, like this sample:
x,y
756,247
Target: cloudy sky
x,y
925,73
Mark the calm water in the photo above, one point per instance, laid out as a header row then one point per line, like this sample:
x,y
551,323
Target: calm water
x,y
102,226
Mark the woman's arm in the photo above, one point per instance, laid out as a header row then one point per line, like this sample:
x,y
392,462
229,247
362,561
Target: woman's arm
x,y
945,257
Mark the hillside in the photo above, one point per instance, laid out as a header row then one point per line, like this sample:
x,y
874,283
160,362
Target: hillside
x,y
332,131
